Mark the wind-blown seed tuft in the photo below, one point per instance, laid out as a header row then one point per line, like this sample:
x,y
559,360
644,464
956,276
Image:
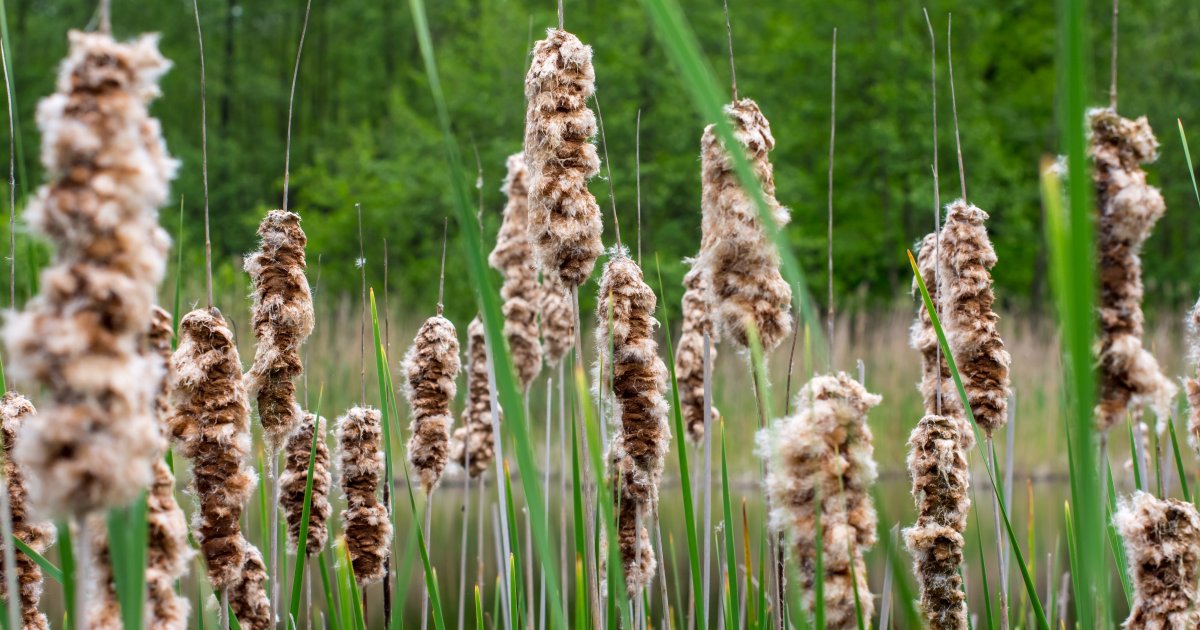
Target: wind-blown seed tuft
x,y
512,258
431,367
80,338
1162,545
564,219
282,320
15,410
365,520
689,356
294,479
474,440
923,337
1129,208
820,461
742,264
558,319
248,598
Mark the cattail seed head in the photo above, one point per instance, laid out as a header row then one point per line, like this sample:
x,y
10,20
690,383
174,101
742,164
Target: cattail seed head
x,y
1162,545
511,257
248,597
81,338
935,370
1193,384
294,480
212,422
564,219
1129,208
15,409
820,464
966,294
474,441
558,319
365,519
689,355
282,320
742,264
431,366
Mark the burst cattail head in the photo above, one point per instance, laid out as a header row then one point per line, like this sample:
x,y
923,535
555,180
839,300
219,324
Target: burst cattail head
x,y
558,319
104,611
365,519
745,286
1162,544
564,219
821,462
15,409
1129,208
689,356
282,320
1193,384
248,598
81,337
935,370
473,445
212,422
970,323
937,461
511,257
295,478
431,367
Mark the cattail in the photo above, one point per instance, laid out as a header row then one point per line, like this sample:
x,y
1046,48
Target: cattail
x,y
742,264
474,441
935,371
511,257
1162,544
95,443
820,461
633,377
937,461
282,320
365,519
558,319
564,219
104,609
248,598
212,422
689,356
295,478
970,324
15,409
1193,384
1129,208
431,366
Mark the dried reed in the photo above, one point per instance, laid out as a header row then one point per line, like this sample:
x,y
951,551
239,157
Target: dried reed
x,y
15,409
365,519
511,257
689,356
1162,544
474,443
431,367
294,479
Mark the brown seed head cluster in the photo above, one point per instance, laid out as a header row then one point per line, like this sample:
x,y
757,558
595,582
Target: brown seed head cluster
x,y
689,356
1129,208
295,478
248,598
937,461
431,367
935,370
966,298
1162,545
473,445
558,319
15,409
745,287
564,219
104,610
365,519
512,258
81,338
633,378
821,464
282,320
211,421
1193,384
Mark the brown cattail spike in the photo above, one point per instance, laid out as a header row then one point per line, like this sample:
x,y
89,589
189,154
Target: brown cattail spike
x,y
1129,208
212,422
965,291
474,441
15,409
558,319
365,519
511,257
95,441
431,367
1193,384
564,219
282,320
689,356
821,460
294,479
634,379
746,288
1162,545
248,598
937,461
935,371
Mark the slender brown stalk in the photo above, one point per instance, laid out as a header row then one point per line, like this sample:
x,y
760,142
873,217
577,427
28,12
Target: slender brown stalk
x,y
1162,546
512,258
365,520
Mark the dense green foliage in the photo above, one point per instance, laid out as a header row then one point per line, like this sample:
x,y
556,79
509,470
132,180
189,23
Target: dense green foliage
x,y
365,131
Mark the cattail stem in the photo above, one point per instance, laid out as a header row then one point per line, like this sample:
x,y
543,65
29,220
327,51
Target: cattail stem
x,y
425,585
546,491
501,491
562,481
223,613
962,176
589,488
287,153
204,157
105,16
465,512
1002,557
612,196
637,165
442,273
10,556
708,431
362,320
1112,87
273,509
829,239
12,187
83,568
732,67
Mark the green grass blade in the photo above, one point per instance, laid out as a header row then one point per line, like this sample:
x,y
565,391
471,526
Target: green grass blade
x,y
331,611
1138,482
478,608
1114,540
66,557
306,514
435,600
577,511
128,532
1180,469
387,411
987,591
731,585
47,567
1187,154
